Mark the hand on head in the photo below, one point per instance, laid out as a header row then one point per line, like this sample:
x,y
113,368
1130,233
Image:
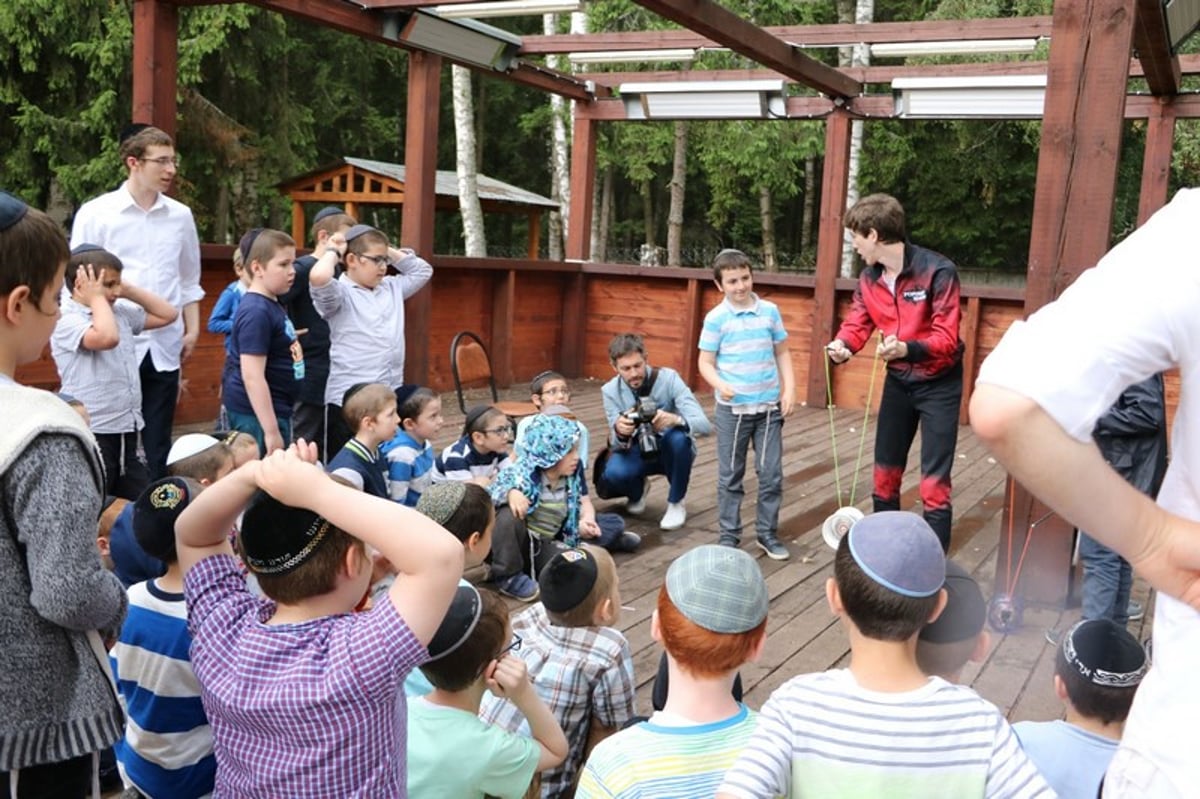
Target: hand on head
x,y
287,475
507,676
89,281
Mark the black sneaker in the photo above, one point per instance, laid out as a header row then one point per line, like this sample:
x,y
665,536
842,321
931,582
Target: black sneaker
x,y
628,542
773,547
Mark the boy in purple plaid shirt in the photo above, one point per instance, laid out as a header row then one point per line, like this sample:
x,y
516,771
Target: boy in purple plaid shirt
x,y
305,697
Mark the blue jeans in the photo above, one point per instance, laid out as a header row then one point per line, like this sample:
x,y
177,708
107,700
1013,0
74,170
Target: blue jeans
x,y
1107,579
248,423
627,469
734,435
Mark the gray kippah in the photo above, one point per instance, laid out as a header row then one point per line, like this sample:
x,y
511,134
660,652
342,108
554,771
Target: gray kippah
x,y
900,551
441,500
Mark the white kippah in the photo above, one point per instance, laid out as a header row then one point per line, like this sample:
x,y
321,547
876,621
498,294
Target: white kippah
x,y
188,445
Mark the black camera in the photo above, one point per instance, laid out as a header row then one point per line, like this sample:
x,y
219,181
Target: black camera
x,y
642,415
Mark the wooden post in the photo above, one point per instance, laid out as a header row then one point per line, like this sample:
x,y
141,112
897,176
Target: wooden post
x,y
420,174
583,180
691,330
1156,161
298,223
1091,43
970,336
535,235
155,63
574,324
834,177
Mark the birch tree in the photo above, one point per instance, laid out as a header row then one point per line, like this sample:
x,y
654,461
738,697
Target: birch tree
x,y
474,237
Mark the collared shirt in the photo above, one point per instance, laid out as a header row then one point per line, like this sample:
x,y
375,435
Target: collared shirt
x,y
105,381
580,673
160,251
314,709
744,341
461,462
409,467
366,327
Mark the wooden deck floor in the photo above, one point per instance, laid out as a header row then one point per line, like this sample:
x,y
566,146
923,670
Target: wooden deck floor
x,y
802,634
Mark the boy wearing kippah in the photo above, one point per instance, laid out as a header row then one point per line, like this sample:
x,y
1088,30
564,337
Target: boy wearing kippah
x,y
1097,670
957,636
581,666
711,619
881,727
167,749
370,411
304,696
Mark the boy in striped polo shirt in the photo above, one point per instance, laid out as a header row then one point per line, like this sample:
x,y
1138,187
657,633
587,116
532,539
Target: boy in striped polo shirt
x,y
744,357
711,618
881,727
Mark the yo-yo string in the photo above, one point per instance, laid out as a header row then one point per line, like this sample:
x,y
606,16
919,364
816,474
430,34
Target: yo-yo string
x,y
837,471
862,440
1012,501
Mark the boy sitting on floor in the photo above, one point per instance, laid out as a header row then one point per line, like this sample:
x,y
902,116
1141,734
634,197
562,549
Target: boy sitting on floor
x,y
370,412
882,727
1097,670
581,666
711,618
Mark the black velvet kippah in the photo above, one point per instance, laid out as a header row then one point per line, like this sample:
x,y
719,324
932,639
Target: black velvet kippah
x,y
965,610
12,210
247,243
277,538
1105,653
460,621
404,392
131,130
473,416
567,580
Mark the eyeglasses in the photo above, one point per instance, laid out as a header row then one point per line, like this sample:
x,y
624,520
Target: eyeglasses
x,y
506,430
515,646
556,392
163,161
378,260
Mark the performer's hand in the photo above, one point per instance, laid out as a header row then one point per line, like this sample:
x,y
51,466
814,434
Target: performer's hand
x,y
893,349
838,351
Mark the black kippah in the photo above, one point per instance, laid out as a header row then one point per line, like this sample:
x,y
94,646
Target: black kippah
x,y
1105,653
247,243
12,210
131,130
80,249
567,580
461,618
404,392
278,538
473,416
965,610
326,212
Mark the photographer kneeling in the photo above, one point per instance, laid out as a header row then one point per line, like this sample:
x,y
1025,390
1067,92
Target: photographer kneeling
x,y
653,416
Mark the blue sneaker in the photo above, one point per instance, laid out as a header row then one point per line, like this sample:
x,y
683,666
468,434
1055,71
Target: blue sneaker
x,y
773,547
518,586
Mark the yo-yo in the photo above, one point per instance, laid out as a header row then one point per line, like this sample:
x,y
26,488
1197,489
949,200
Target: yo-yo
x,y
838,524
1005,613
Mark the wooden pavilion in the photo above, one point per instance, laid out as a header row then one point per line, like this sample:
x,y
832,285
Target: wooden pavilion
x,y
355,183
1096,47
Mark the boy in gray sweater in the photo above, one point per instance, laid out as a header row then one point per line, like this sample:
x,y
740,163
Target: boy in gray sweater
x,y
58,602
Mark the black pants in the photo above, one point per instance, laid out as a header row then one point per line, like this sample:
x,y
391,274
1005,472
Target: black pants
x,y
160,391
337,432
511,547
934,405
308,422
125,474
67,779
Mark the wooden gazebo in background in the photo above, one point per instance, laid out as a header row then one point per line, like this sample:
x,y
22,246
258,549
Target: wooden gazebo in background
x,y
354,183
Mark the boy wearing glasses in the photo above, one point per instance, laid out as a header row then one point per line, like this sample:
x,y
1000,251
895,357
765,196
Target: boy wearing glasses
x,y
547,389
480,453
155,238
365,311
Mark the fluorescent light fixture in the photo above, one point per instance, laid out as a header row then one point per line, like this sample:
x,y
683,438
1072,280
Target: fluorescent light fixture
x,y
505,8
966,47
985,97
681,55
704,99
1182,18
462,40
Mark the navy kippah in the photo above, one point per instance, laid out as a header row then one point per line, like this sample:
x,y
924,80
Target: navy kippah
x,y
356,231
404,392
247,243
326,212
12,210
79,249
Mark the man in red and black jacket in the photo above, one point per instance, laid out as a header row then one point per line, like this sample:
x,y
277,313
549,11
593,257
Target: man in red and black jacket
x,y
911,296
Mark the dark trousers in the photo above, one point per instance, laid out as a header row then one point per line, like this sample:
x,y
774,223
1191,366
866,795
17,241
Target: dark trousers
x,y
337,432
125,473
626,469
160,391
515,550
933,405
67,779
308,422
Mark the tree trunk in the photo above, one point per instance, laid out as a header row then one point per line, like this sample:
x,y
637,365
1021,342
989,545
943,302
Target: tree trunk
x,y
864,13
678,193
766,212
606,206
810,203
468,174
648,212
559,156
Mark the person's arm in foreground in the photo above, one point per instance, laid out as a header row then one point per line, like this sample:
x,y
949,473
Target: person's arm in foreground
x,y
1072,478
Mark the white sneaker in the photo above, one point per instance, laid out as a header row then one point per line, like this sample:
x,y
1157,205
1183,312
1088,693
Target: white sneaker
x,y
636,508
675,516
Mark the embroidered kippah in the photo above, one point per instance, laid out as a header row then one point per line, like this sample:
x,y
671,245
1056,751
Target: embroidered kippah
x,y
12,210
441,500
278,538
155,514
1105,653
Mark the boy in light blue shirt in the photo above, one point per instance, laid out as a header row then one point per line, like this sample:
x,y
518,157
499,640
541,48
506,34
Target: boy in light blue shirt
x,y
744,357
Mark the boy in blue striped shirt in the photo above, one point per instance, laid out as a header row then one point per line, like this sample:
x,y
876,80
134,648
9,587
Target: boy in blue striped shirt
x,y
744,357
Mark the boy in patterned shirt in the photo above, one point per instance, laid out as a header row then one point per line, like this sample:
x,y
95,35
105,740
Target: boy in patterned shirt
x,y
581,666
881,727
305,697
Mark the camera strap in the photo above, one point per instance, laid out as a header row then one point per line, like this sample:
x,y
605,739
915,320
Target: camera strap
x,y
648,384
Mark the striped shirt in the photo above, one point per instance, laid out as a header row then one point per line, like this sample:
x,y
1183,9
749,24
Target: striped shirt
x,y
462,462
409,467
313,709
581,673
744,341
821,735
105,381
167,750
658,759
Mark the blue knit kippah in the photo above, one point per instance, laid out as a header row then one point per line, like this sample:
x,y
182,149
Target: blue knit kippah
x,y
12,210
900,551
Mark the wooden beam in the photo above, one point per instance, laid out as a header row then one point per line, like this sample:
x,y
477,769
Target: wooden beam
x,y
800,35
1156,160
834,180
970,336
406,4
298,223
1153,45
692,323
727,28
420,175
583,179
155,63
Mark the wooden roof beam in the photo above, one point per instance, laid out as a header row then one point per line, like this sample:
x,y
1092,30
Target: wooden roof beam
x,y
800,35
1152,43
728,29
